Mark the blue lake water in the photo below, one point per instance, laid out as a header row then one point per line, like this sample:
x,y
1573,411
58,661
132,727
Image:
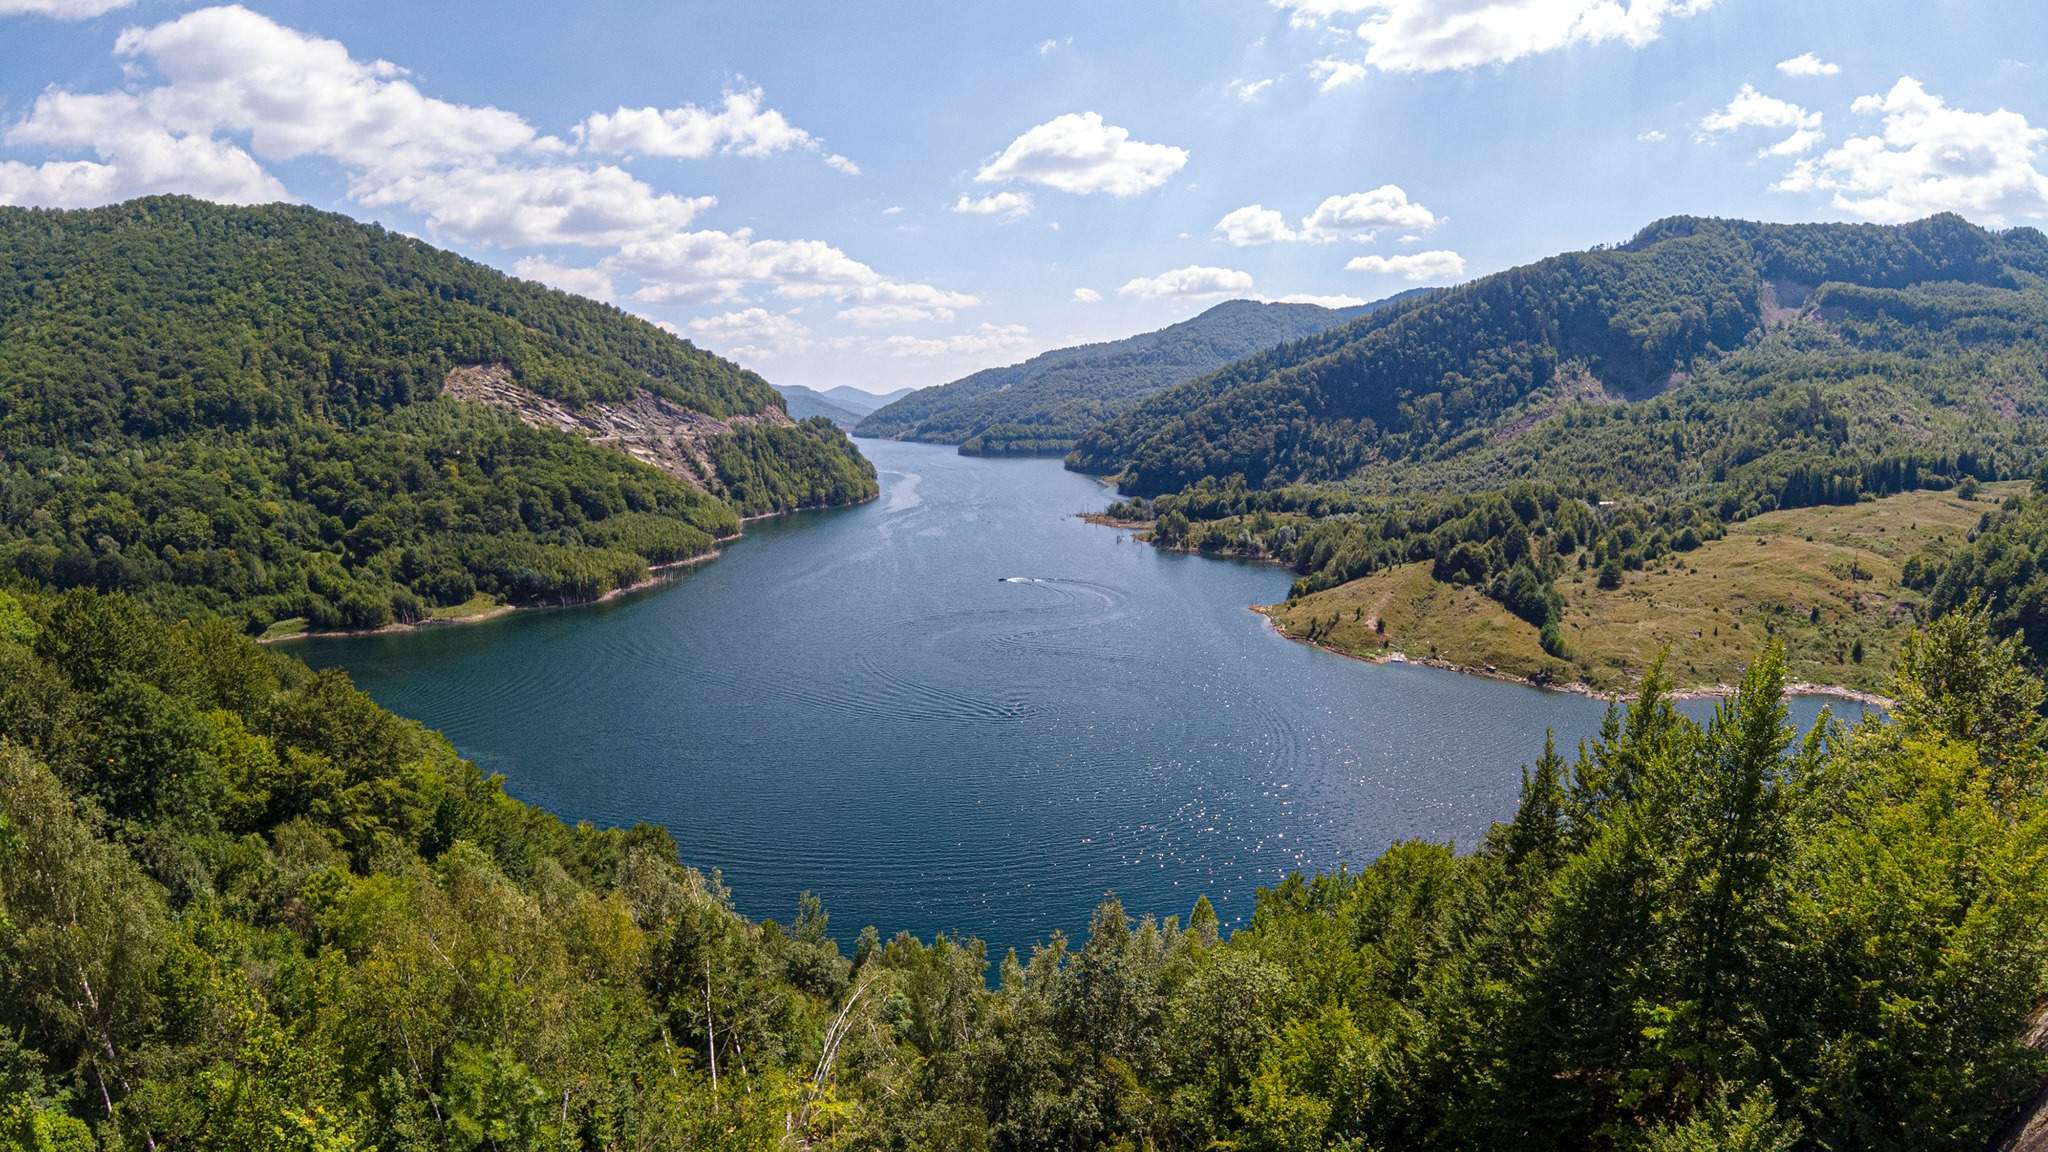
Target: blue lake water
x,y
960,708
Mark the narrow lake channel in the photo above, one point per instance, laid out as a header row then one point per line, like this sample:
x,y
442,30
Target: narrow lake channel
x,y
959,708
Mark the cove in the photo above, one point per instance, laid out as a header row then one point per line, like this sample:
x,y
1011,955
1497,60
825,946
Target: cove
x,y
960,709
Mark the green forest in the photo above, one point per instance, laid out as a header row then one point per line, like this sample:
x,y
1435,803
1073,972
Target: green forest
x,y
242,907
235,410
1045,404
1604,409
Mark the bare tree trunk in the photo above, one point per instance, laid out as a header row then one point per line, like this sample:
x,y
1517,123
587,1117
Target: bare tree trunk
x,y
710,1029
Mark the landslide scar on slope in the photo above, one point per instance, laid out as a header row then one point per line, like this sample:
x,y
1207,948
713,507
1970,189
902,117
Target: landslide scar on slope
x,y
649,428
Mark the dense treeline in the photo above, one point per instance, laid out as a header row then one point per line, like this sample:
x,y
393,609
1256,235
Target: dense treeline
x,y
236,409
241,907
1044,404
2004,565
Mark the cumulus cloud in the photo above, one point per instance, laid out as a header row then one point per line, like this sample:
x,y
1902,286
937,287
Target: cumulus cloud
x,y
1752,109
1387,206
1806,64
741,125
1192,282
876,315
298,95
1008,205
1435,36
536,204
61,9
135,156
1353,215
1080,153
983,340
1330,73
1417,267
1248,91
1653,136
751,333
1929,157
1087,296
591,282
1255,224
711,265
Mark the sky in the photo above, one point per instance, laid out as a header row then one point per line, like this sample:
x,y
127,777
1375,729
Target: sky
x,y
891,194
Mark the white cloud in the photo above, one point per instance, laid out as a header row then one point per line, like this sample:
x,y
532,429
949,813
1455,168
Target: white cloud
x,y
752,333
1081,154
591,282
1087,296
61,9
297,95
1931,157
1192,282
135,157
1807,64
1248,91
1048,46
543,204
742,125
1415,266
1330,73
893,210
984,340
1653,136
1752,109
876,315
1387,206
1255,224
1354,215
714,265
1440,35
1008,205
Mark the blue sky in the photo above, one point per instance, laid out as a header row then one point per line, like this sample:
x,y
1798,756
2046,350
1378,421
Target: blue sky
x,y
885,194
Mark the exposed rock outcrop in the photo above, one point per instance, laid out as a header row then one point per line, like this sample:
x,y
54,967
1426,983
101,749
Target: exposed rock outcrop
x,y
648,428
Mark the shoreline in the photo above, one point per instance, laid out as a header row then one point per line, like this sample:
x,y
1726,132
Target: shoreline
x,y
656,575
1575,687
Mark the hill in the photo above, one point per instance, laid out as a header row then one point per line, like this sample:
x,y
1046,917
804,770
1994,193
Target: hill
x,y
256,410
1044,404
862,401
804,403
1603,412
1851,341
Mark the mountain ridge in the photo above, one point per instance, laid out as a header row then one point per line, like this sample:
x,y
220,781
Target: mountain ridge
x,y
1041,405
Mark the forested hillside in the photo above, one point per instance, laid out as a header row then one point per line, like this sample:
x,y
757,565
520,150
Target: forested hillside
x,y
243,908
1565,426
1044,404
1719,332
238,409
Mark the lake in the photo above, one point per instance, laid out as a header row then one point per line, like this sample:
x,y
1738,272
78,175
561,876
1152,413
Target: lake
x,y
960,708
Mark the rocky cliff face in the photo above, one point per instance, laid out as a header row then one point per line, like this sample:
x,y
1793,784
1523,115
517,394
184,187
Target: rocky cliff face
x,y
647,428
